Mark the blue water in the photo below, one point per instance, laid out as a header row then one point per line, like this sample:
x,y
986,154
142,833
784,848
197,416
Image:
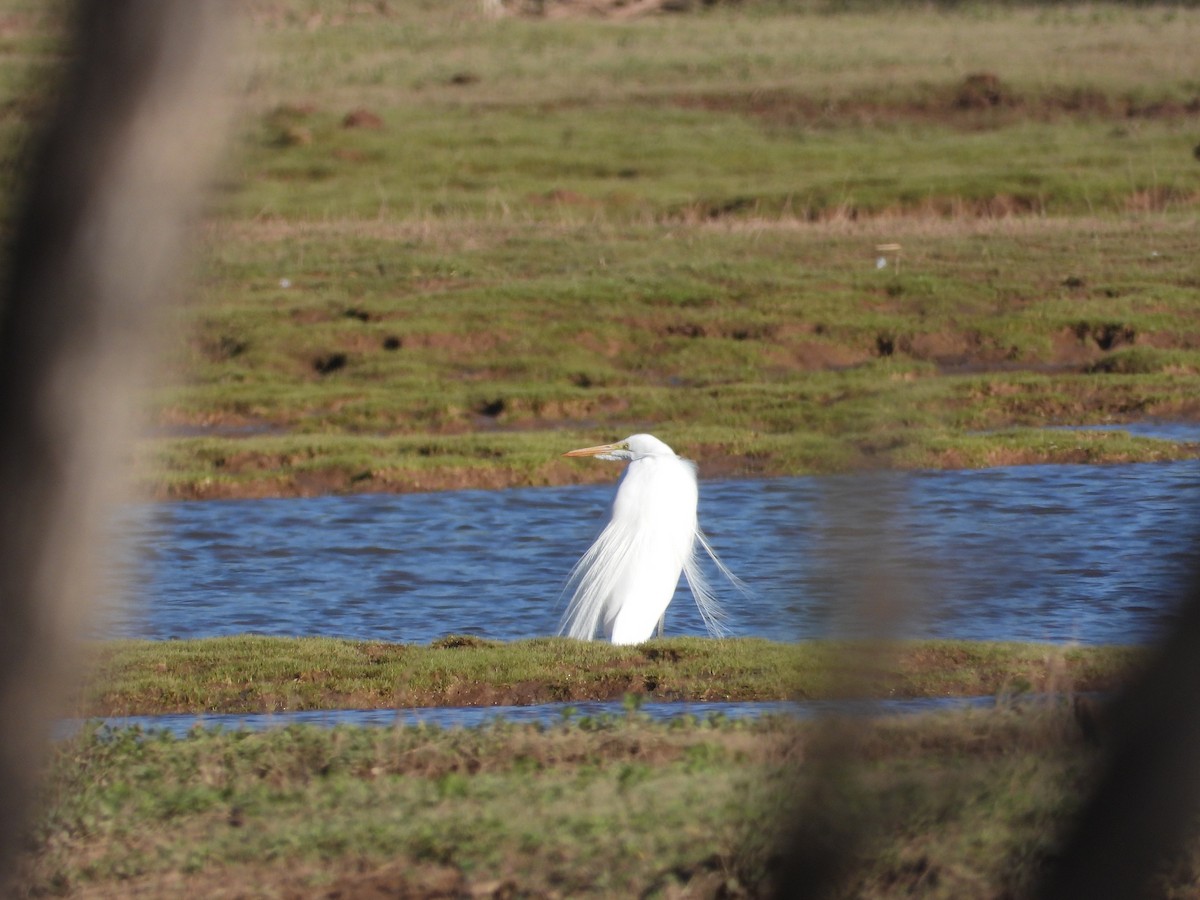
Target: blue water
x,y
1094,554
183,724
1185,432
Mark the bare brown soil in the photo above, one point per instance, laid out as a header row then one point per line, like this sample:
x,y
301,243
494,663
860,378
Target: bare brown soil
x,y
345,879
601,9
363,879
979,100
320,482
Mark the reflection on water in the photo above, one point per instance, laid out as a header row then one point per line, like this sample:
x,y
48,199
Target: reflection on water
x,y
1095,554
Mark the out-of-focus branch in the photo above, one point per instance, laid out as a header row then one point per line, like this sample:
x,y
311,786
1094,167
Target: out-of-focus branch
x,y
1145,802
96,238
831,827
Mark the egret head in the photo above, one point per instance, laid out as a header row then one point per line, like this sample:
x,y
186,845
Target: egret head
x,y
637,446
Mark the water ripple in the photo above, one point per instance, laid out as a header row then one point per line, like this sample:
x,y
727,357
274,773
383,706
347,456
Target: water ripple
x,y
1096,554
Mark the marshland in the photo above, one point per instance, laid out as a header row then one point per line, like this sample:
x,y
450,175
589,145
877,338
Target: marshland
x,y
943,251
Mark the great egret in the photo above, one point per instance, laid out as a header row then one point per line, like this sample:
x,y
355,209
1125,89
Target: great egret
x,y
625,581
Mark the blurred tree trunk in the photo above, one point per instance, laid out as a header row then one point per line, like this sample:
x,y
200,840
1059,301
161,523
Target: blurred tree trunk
x,y
94,241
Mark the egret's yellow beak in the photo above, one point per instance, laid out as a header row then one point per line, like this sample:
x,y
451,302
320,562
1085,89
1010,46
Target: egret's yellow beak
x,y
596,451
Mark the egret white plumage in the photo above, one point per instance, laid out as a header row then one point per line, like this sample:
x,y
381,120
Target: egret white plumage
x,y
623,584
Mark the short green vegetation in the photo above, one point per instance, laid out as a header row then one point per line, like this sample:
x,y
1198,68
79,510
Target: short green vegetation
x,y
786,237
447,247
261,674
944,806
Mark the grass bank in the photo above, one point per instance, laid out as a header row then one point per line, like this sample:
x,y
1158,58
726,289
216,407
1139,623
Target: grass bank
x,y
261,674
447,247
756,348
945,806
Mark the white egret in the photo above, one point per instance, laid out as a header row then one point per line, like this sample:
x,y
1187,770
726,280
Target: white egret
x,y
625,581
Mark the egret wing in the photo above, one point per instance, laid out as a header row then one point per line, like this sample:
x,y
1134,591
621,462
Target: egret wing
x,y
593,581
706,601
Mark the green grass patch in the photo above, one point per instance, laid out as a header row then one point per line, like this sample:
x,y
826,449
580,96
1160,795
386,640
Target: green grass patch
x,y
629,163
260,674
446,247
765,348
947,805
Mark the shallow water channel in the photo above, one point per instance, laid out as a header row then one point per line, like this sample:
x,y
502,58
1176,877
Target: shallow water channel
x,y
1089,554
1094,554
544,713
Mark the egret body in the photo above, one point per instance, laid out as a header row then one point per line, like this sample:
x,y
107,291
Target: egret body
x,y
623,584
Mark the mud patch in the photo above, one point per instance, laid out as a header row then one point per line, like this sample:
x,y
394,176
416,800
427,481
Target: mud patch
x,y
982,90
461,641
405,880
459,344
945,347
523,413
1160,199
311,316
491,408
362,118
221,348
561,197
328,363
1105,335
1067,348
980,99
817,356
684,329
598,9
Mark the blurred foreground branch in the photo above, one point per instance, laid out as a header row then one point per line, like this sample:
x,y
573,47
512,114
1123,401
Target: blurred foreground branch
x,y
1144,804
1132,827
97,235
